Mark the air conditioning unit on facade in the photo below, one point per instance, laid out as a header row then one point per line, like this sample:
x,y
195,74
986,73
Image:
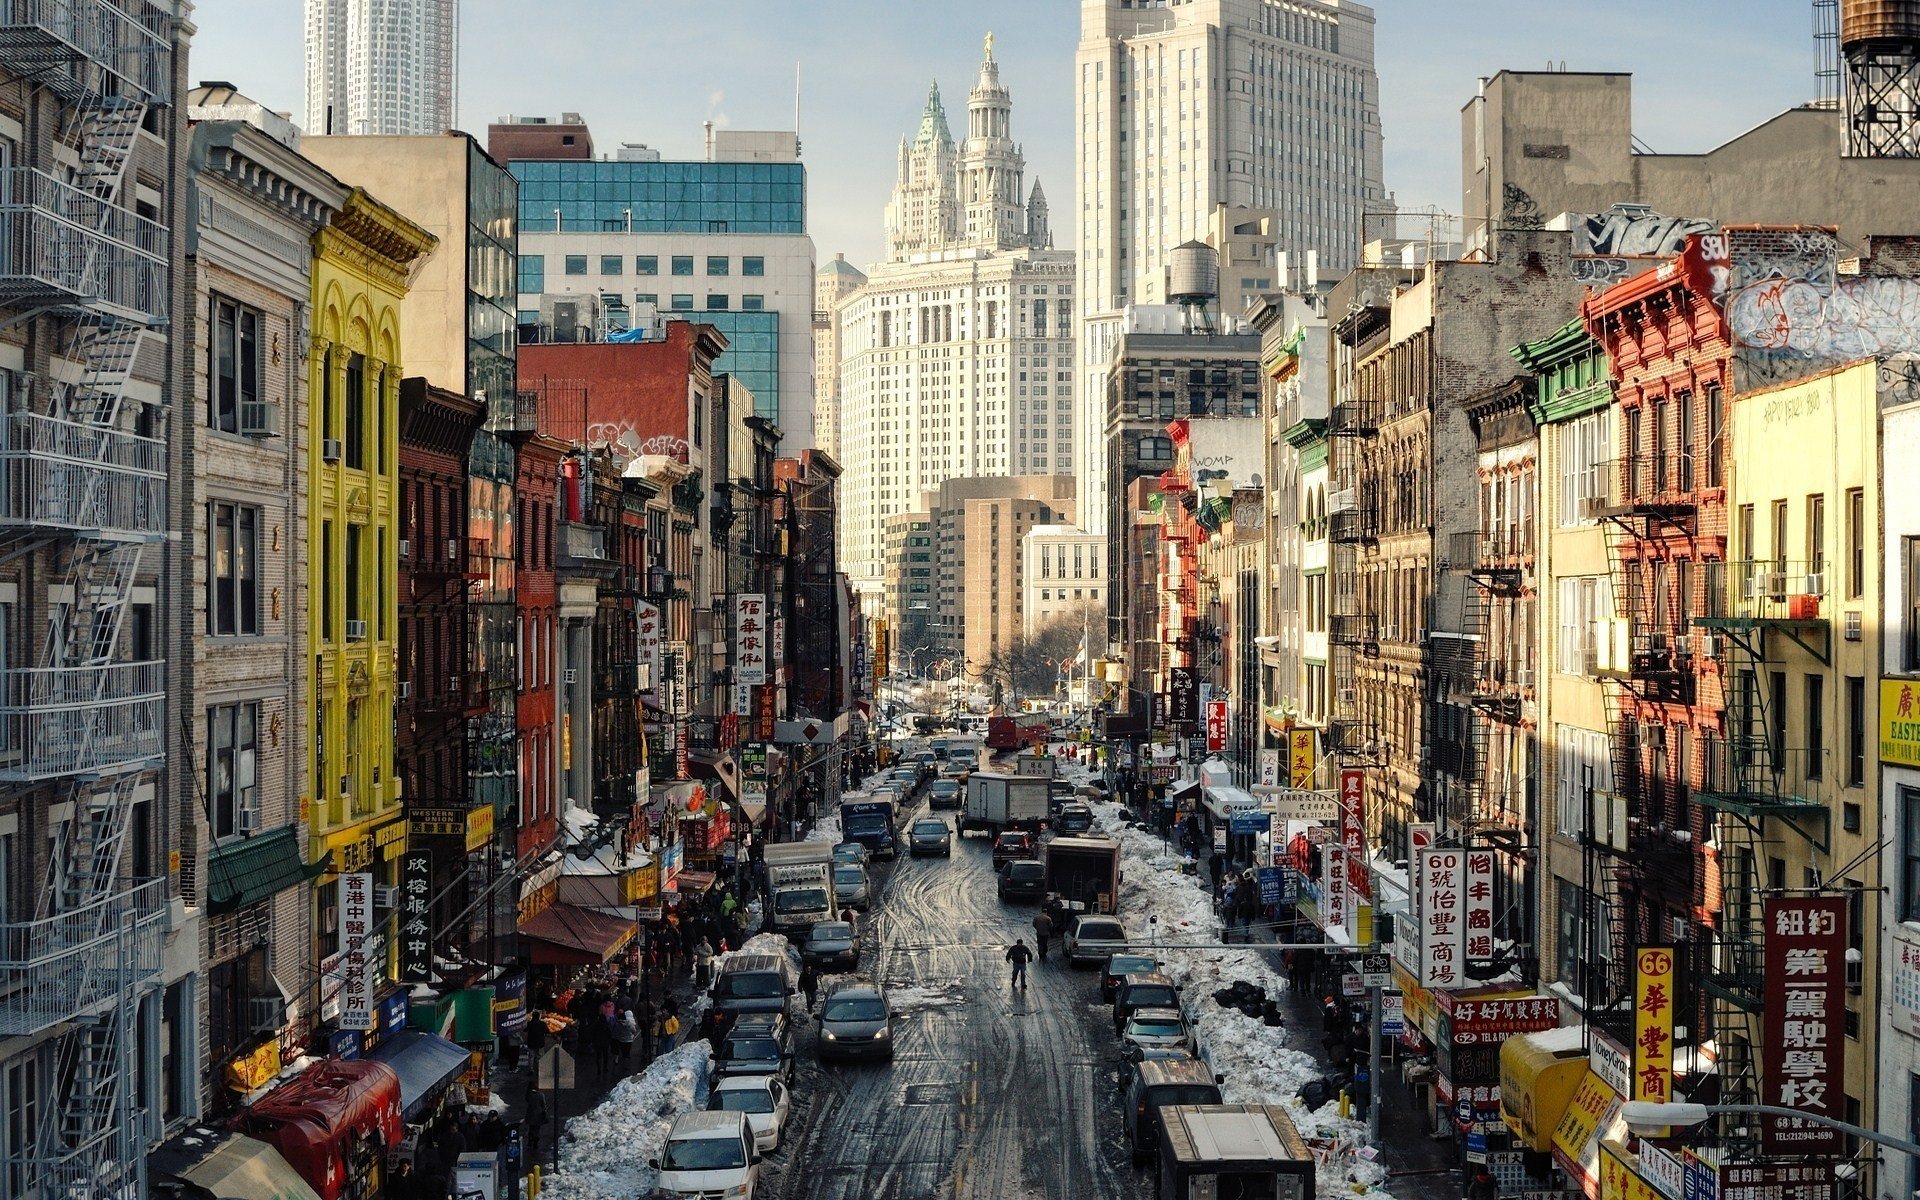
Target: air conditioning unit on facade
x,y
406,547
356,631
330,450
404,689
386,896
247,820
569,676
1813,585
1676,929
1764,584
1654,737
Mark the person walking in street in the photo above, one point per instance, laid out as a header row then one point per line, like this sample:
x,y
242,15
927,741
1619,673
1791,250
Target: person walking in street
x,y
1483,1187
702,962
669,1028
1019,956
626,1030
1042,930
810,984
536,1121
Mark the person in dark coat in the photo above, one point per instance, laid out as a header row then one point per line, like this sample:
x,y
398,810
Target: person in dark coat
x,y
493,1132
536,1122
810,984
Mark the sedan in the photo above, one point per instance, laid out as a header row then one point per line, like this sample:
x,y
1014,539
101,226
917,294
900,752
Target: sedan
x,y
1118,967
1157,1028
831,944
851,887
930,837
944,793
763,1098
1074,818
850,852
1011,845
1091,939
1023,879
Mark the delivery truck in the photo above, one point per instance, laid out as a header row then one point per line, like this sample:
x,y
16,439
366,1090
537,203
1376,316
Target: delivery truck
x,y
1084,872
1210,1151
869,821
799,886
997,802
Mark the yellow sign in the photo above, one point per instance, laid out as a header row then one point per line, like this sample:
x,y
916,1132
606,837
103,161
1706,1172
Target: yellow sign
x,y
1620,1177
1653,1024
640,886
1300,757
1900,722
256,1068
1575,1130
882,653
479,827
390,840
173,862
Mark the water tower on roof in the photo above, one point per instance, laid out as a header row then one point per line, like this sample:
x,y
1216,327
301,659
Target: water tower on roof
x,y
1880,46
1193,282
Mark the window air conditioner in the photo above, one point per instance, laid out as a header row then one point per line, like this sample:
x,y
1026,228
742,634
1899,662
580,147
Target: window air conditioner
x,y
1676,929
404,689
386,896
453,549
406,547
1814,584
247,820
569,676
330,450
356,631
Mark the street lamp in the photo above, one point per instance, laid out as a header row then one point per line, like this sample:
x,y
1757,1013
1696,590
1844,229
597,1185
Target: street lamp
x,y
1651,1114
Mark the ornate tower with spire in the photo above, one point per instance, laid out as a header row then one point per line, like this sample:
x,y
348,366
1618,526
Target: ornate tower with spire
x,y
991,166
924,213
1039,231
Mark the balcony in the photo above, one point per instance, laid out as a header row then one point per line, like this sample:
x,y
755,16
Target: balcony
x,y
582,550
61,246
55,39
1352,420
618,679
65,477
1352,527
1496,556
1644,487
1753,780
1353,629
465,695
1780,595
1355,739
71,965
64,721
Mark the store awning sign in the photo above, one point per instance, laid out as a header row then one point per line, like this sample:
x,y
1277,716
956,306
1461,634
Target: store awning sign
x,y
1653,1024
356,976
1353,830
416,916
1300,758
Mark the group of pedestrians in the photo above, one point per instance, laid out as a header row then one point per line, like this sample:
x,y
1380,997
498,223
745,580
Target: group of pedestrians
x,y
428,1175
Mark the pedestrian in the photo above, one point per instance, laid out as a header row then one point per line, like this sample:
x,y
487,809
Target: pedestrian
x,y
1483,1187
536,1121
493,1132
1216,863
1019,956
1042,930
809,984
625,1032
599,1035
643,1021
536,1035
702,962
669,1029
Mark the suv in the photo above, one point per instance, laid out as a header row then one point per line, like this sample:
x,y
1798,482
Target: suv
x,y
855,1021
1023,879
708,1154
1092,937
1014,843
749,983
1157,1082
1074,818
1118,967
758,1044
1142,991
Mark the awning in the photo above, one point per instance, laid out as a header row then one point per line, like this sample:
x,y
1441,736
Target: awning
x,y
1223,801
238,1168
260,867
425,1063
1184,789
695,881
755,812
564,935
1539,1073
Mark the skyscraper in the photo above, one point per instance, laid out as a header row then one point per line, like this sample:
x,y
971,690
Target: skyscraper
x,y
1184,108
381,66
956,354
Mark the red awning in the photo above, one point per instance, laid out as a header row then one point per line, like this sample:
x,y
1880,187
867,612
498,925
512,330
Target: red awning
x,y
566,934
694,882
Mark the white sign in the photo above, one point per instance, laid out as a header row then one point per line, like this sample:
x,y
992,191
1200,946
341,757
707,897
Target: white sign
x,y
646,619
743,698
356,974
1442,917
751,636
1906,981
1479,906
1333,892
1301,804
1393,1014
1662,1170
1270,768
1376,971
1611,1063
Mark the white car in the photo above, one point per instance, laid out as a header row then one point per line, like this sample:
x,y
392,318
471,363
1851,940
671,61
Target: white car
x,y
709,1154
763,1099
1157,1029
1092,937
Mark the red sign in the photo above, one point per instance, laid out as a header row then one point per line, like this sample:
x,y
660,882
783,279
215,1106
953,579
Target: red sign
x,y
1804,1021
1353,830
1489,1022
766,703
680,764
1216,725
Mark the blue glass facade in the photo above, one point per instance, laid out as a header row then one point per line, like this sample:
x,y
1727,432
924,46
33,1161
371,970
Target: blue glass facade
x,y
753,354
664,197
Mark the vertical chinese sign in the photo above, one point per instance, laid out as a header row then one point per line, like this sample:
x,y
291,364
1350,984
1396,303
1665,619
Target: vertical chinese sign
x,y
1216,725
1479,906
750,637
1353,830
1803,1020
356,924
1442,919
646,620
1653,1024
1269,768
416,916
1300,758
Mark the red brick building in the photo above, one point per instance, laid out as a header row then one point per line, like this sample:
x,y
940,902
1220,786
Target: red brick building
x,y
644,398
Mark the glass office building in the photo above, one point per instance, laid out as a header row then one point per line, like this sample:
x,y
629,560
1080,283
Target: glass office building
x,y
662,197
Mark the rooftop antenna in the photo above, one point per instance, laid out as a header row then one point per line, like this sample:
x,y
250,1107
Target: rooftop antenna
x,y
796,96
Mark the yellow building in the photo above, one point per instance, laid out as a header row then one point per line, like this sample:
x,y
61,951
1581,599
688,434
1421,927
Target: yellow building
x,y
1793,773
363,260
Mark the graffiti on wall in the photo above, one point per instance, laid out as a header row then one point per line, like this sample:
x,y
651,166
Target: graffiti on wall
x,y
626,444
1636,231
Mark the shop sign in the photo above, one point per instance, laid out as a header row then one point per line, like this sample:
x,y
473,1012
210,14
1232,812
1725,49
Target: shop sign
x,y
1589,1109
1618,1178
1276,885
1805,999
1353,830
1702,1181
766,710
391,839
1302,758
343,1044
1653,1024
1490,1022
1350,984
415,931
479,827
1479,905
750,637
474,1081
1249,823
1905,981
1777,1181
1301,804
1664,1171
646,619
1269,768
640,884
777,647
1216,726
1182,696
356,922
1333,889
538,892
1610,1061
255,1069
1442,931
510,1004
394,1007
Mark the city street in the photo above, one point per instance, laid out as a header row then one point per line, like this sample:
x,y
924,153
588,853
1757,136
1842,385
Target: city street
x,y
992,1094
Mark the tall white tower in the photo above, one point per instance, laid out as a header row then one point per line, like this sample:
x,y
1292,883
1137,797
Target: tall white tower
x,y
381,66
992,188
924,213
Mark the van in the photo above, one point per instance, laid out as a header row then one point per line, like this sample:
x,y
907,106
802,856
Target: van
x,y
855,1021
749,983
1155,1082
709,1154
758,1044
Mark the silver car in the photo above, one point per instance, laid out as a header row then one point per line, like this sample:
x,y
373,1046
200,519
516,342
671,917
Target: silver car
x,y
852,888
930,836
1157,1029
856,1022
1091,938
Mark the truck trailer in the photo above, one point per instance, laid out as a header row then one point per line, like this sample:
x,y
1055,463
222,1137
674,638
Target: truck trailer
x,y
1084,872
997,802
1232,1152
799,885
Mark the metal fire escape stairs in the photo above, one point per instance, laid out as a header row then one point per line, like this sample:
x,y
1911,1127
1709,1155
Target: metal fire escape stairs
x,y
1352,633
1493,577
79,483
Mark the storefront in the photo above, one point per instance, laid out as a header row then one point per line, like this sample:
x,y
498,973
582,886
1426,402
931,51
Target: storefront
x,y
565,937
334,1125
426,1065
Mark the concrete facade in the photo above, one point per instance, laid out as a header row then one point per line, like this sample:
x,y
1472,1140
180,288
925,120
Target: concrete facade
x,y
1062,575
834,283
979,526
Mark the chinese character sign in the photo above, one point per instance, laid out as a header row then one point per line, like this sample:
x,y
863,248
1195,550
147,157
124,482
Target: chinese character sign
x,y
1479,905
1804,1021
1333,889
356,975
1653,981
1353,829
1300,758
1269,768
1442,918
416,917
1216,725
1182,696
646,619
750,638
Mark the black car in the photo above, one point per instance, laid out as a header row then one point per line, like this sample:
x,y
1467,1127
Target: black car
x,y
831,945
758,1044
1118,967
1023,879
1074,818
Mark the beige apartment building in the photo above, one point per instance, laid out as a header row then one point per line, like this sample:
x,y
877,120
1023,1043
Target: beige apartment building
x,y
979,531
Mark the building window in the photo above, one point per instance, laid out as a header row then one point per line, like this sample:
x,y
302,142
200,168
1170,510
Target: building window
x,y
1780,536
1816,726
652,298
719,264
233,392
753,264
1156,449
233,569
646,264
716,303
683,264
611,264
533,273
576,264
1910,854
353,574
1584,448
1911,634
682,302
1856,731
1585,613
752,303
356,431
232,751
1856,543
1816,534
1777,717
1716,418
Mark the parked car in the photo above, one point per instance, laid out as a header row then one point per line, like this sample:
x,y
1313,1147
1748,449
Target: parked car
x,y
1118,967
1152,1083
749,983
764,1100
831,945
1157,1027
930,836
1142,991
1015,843
852,886
1074,818
945,793
758,1044
1023,879
709,1154
1091,938
855,1022
850,852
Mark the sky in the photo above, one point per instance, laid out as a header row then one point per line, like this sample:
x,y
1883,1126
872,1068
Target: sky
x,y
653,70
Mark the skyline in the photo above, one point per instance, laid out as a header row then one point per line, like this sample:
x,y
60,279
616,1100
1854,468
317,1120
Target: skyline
x,y
852,117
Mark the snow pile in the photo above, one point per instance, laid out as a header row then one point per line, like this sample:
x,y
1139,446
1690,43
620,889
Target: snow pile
x,y
604,1153
1259,1065
922,997
827,828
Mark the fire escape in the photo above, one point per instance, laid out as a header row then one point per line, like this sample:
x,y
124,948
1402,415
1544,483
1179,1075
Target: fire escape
x,y
1353,634
1752,782
81,488
1472,676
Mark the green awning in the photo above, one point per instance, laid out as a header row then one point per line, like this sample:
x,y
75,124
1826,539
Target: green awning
x,y
258,868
